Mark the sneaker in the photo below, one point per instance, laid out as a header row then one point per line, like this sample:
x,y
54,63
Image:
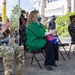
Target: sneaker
x,y
48,67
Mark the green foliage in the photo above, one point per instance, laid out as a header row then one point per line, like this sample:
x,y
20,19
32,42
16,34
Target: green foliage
x,y
14,19
64,19
63,30
62,24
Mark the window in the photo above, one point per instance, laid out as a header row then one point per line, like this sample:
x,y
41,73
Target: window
x,y
52,0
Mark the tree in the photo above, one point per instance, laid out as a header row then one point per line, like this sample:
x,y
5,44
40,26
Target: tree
x,y
14,19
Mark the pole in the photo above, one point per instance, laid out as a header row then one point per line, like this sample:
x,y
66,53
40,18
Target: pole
x,y
18,18
4,12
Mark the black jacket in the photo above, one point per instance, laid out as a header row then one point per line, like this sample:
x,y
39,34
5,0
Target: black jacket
x,y
51,25
22,31
21,20
71,29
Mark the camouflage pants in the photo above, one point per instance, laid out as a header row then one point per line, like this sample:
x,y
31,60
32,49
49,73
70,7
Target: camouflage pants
x,y
7,65
13,66
13,62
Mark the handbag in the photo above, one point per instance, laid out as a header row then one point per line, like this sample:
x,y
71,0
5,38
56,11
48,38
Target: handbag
x,y
51,38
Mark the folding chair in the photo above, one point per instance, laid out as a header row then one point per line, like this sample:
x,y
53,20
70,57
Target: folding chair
x,y
34,52
34,57
60,44
70,47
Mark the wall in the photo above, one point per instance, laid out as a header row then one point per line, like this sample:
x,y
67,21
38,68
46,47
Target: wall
x,y
56,8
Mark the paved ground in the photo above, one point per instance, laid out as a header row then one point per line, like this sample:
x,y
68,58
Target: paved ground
x,y
1,68
64,67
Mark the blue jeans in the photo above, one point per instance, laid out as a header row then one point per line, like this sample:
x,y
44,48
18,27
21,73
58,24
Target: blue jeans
x,y
5,40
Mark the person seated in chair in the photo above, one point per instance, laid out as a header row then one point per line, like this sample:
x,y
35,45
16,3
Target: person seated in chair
x,y
35,34
71,28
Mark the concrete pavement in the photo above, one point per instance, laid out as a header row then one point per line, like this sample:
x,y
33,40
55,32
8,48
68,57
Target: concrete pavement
x,y
64,67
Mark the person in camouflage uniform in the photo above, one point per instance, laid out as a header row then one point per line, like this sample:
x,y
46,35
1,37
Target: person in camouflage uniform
x,y
12,54
12,59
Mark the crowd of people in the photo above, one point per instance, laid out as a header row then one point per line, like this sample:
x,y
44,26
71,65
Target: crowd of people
x,y
34,35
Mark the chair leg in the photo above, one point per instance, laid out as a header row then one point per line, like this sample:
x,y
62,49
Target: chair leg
x,y
25,53
62,55
66,52
38,62
43,54
69,49
73,49
32,58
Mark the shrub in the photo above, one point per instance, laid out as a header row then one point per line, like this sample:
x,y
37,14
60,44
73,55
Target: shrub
x,y
62,24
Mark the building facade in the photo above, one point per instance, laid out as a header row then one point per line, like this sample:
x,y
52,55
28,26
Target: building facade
x,y
40,5
54,7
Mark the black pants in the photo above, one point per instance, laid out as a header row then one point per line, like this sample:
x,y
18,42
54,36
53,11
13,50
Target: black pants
x,y
56,51
49,52
22,42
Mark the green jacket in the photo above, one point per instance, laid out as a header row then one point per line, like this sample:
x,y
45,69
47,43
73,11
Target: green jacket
x,y
35,36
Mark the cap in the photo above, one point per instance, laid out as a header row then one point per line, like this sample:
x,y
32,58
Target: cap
x,y
53,16
71,17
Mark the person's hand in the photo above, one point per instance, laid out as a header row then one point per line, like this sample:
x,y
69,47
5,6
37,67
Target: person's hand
x,y
54,31
5,27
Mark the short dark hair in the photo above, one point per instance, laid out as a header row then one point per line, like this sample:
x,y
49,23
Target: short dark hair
x,y
53,16
71,17
23,11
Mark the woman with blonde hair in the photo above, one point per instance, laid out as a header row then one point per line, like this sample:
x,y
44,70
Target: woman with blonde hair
x,y
35,34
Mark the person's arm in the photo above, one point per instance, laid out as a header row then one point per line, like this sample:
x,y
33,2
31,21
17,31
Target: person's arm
x,y
37,31
51,32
